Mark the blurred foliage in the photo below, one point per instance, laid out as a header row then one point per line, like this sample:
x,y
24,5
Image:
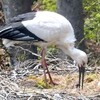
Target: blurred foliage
x,y
48,5
92,19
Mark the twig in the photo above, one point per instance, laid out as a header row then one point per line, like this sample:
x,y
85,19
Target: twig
x,y
28,51
36,54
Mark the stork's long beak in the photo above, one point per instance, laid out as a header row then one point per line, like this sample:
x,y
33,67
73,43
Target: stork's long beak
x,y
81,76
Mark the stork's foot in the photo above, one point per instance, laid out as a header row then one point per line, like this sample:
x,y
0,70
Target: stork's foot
x,y
49,81
53,83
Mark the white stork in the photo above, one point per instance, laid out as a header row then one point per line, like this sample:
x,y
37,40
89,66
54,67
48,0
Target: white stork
x,y
45,28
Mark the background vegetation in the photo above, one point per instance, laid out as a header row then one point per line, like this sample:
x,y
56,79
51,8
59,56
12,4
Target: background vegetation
x,y
49,5
92,19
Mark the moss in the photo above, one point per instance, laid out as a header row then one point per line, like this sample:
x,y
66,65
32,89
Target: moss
x,y
48,5
41,84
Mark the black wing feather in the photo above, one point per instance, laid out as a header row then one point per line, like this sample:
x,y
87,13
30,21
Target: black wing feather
x,y
18,32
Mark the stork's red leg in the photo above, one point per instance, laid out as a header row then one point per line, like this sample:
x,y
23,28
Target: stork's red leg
x,y
44,64
44,68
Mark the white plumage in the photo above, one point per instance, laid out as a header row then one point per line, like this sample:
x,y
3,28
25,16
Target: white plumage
x,y
50,26
53,29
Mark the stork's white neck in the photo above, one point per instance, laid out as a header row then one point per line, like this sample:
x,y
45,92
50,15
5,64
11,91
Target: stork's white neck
x,y
78,55
73,53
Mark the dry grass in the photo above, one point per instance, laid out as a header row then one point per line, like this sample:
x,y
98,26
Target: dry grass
x,y
66,83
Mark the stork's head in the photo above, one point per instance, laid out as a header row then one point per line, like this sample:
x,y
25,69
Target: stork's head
x,y
80,57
